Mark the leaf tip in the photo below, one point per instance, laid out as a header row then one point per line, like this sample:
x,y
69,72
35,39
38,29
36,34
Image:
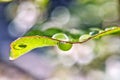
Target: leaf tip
x,y
10,58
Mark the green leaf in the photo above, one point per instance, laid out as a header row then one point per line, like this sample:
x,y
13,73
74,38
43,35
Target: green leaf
x,y
51,31
24,44
34,32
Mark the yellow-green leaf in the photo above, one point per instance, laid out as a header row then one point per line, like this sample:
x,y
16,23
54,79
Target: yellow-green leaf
x,y
24,44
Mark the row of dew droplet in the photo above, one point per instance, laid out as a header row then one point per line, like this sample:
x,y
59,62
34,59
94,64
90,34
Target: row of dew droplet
x,y
94,33
64,43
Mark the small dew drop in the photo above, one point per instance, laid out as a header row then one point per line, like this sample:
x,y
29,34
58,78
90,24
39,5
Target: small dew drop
x,y
94,33
84,37
114,27
110,28
101,31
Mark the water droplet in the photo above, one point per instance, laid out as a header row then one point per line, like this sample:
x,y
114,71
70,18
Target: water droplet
x,y
110,28
84,37
101,31
61,36
64,46
106,29
94,33
114,27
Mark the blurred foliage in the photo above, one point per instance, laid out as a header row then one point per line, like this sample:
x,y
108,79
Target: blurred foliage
x,y
93,13
5,0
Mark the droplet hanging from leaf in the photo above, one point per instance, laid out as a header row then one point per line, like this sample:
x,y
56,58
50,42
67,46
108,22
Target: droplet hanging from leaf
x,y
64,46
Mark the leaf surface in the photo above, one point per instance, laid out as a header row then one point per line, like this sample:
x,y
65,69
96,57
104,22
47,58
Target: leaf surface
x,y
25,44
